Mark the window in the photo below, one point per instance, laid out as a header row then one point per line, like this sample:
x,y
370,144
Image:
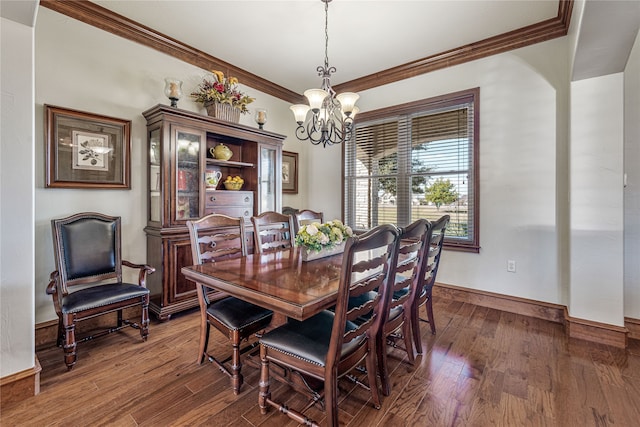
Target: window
x,y
416,160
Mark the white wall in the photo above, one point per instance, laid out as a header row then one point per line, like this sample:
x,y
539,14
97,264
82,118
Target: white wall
x,y
17,343
597,200
632,190
523,98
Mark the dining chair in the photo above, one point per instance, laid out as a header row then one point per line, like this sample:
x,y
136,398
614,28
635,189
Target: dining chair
x,y
213,238
288,210
272,231
88,258
425,289
307,216
330,345
401,294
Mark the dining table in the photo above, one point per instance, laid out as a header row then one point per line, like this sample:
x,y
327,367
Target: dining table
x,y
278,280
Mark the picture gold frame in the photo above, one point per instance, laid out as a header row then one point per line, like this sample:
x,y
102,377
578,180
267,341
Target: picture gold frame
x,y
85,150
289,172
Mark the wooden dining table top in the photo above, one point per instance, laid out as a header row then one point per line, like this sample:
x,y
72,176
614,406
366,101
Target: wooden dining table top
x,y
279,281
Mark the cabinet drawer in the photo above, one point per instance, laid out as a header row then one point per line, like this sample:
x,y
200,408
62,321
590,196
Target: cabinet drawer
x,y
229,198
245,212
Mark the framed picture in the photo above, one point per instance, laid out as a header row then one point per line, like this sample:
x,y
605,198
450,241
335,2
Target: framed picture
x,y
86,150
289,172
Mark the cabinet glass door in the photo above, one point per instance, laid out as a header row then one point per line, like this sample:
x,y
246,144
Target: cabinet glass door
x,y
187,175
155,176
267,179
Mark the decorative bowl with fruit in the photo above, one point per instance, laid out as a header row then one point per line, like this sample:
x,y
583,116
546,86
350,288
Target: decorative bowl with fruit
x,y
233,182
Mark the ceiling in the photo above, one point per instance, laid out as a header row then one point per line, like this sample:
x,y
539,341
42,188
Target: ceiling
x,y
284,41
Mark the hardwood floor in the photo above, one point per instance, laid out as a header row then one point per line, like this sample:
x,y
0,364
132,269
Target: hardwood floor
x,y
483,368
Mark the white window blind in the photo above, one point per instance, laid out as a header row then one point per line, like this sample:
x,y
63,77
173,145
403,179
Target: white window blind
x,y
413,161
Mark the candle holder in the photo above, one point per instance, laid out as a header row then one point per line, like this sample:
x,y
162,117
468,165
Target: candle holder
x,y
261,117
173,90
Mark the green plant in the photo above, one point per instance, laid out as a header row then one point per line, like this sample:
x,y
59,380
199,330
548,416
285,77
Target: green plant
x,y
215,87
441,192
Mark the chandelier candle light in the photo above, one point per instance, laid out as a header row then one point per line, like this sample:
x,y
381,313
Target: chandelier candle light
x,y
331,118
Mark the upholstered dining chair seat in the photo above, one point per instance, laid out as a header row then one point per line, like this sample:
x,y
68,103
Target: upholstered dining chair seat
x,y
309,339
100,296
358,301
236,314
401,292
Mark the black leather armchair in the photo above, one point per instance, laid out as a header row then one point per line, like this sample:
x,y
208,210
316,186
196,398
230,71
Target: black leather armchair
x,y
87,253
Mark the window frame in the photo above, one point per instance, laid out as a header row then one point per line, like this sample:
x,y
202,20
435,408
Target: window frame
x,y
425,106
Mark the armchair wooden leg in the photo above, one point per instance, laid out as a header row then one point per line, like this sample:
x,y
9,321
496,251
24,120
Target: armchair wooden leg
x,y
144,327
264,393
60,340
70,344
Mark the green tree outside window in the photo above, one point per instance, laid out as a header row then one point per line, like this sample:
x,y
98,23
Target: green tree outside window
x,y
441,192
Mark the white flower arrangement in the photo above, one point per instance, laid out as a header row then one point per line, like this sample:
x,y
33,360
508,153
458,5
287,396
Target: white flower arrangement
x,y
316,236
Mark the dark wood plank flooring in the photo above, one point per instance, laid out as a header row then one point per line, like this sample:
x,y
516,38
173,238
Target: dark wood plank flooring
x,y
484,367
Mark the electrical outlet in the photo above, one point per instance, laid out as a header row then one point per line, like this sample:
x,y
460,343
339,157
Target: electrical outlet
x,y
511,266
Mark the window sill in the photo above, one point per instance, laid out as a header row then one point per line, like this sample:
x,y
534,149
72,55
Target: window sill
x,y
461,248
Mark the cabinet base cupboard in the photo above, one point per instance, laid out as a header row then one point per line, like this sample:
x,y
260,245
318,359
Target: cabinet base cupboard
x,y
181,155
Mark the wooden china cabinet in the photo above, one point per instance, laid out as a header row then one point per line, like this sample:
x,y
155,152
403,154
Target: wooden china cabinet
x,y
180,145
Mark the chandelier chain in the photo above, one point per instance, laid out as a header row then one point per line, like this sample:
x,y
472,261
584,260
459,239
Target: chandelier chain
x,y
326,34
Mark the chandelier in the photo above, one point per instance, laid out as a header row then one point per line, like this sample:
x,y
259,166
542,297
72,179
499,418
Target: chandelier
x,y
331,118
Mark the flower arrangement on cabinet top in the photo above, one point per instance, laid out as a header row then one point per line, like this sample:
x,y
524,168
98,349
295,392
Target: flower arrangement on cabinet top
x,y
316,236
216,88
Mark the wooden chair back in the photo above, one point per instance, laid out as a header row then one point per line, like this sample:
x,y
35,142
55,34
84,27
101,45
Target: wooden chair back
x,y
368,264
215,237
307,216
272,231
87,249
430,270
432,261
411,251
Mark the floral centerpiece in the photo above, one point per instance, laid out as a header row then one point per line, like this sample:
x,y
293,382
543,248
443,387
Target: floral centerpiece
x,y
216,92
320,240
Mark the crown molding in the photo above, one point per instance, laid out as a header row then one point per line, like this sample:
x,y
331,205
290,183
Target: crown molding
x,y
97,16
525,36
